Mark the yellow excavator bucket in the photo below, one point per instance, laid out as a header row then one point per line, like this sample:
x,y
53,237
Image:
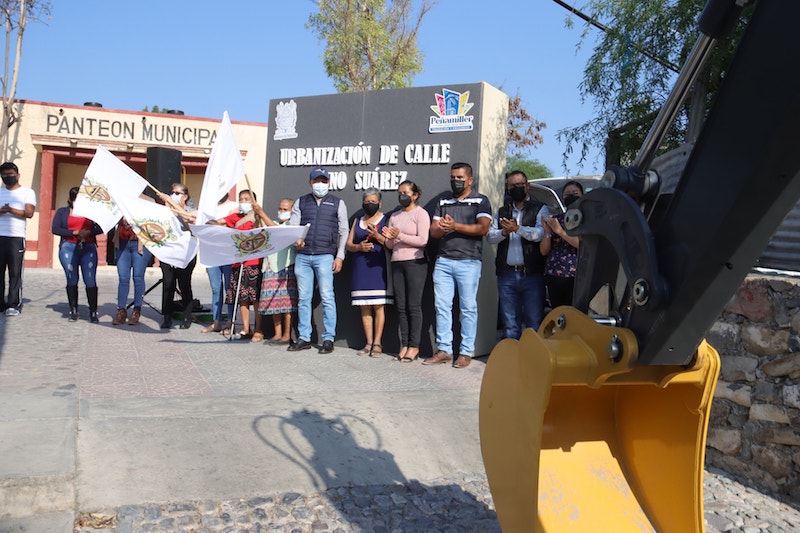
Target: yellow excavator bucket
x,y
576,437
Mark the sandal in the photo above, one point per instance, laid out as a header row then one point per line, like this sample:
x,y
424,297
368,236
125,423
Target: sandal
x,y
225,331
211,329
401,355
365,350
410,359
257,337
377,350
242,336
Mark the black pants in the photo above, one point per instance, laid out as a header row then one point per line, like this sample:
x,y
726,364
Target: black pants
x,y
408,280
559,290
12,259
183,278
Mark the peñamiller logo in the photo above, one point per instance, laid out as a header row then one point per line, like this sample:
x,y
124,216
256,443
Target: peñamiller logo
x,y
451,112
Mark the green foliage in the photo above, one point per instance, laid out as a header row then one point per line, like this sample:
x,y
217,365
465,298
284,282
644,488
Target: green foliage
x,y
369,46
155,109
632,69
531,167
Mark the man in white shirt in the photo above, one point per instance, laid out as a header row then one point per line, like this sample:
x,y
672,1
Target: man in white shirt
x,y
17,204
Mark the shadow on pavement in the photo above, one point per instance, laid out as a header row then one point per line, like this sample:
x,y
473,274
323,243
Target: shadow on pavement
x,y
345,460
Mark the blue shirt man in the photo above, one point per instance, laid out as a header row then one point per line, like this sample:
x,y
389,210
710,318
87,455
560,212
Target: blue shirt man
x,y
460,220
319,255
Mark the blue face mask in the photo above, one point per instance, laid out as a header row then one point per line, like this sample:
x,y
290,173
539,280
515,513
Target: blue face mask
x,y
245,208
320,190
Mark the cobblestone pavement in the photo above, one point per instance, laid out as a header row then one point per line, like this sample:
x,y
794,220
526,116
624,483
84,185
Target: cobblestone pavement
x,y
448,505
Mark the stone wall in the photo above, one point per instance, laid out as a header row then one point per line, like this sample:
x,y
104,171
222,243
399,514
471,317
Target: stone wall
x,y
754,432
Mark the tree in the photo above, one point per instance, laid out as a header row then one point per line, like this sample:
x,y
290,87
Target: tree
x,y
524,131
531,167
369,47
16,15
632,69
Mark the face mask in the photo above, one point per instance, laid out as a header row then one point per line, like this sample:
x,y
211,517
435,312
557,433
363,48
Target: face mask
x,y
320,190
458,186
245,208
570,199
404,200
370,209
283,216
176,197
517,193
10,181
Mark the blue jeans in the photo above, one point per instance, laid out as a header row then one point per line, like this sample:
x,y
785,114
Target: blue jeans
x,y
74,256
450,275
129,261
218,277
306,269
521,301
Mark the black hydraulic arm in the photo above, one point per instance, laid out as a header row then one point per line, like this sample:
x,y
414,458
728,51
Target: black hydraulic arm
x,y
682,260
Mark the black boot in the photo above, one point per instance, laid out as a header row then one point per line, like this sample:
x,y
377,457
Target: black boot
x,y
91,295
72,298
187,315
167,323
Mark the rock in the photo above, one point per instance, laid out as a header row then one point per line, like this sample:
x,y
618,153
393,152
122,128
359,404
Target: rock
x,y
752,301
785,436
788,365
761,340
728,441
769,413
735,392
738,368
791,395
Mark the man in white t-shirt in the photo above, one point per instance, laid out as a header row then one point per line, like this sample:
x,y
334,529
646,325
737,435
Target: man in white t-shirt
x,y
16,207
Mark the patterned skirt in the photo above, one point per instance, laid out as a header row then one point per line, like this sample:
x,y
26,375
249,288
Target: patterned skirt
x,y
248,290
278,292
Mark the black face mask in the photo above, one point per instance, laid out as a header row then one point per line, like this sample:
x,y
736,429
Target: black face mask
x,y
458,186
10,181
404,200
570,199
370,209
517,193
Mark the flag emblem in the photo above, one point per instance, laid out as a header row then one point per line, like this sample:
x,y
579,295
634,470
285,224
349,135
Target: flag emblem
x,y
250,244
153,232
96,192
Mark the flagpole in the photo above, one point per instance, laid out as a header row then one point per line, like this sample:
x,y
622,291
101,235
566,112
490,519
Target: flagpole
x,y
236,303
169,200
250,188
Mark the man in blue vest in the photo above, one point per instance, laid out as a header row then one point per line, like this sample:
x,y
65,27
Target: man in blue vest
x,y
319,256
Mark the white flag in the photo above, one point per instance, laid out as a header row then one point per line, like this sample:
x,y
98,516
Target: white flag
x,y
220,245
160,231
225,169
107,179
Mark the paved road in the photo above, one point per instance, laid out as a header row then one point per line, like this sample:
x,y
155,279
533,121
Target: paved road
x,y
131,428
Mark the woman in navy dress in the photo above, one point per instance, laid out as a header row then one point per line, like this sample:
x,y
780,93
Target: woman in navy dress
x,y
369,289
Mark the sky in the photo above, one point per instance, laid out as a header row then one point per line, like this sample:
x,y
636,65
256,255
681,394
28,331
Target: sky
x,y
208,56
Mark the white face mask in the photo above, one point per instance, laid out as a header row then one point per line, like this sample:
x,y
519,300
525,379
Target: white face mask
x,y
245,208
283,216
176,197
319,189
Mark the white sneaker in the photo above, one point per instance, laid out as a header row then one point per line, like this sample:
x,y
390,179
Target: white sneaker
x,y
12,311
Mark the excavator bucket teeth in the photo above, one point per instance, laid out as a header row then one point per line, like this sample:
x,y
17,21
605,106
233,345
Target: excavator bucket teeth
x,y
622,451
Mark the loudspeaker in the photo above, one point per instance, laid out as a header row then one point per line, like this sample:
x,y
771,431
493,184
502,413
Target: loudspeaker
x,y
163,167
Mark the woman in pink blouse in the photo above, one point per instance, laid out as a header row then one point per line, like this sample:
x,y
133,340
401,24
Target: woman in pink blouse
x,y
406,236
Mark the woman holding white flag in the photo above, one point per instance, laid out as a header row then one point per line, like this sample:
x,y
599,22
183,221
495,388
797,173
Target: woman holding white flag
x,y
77,251
245,280
173,276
